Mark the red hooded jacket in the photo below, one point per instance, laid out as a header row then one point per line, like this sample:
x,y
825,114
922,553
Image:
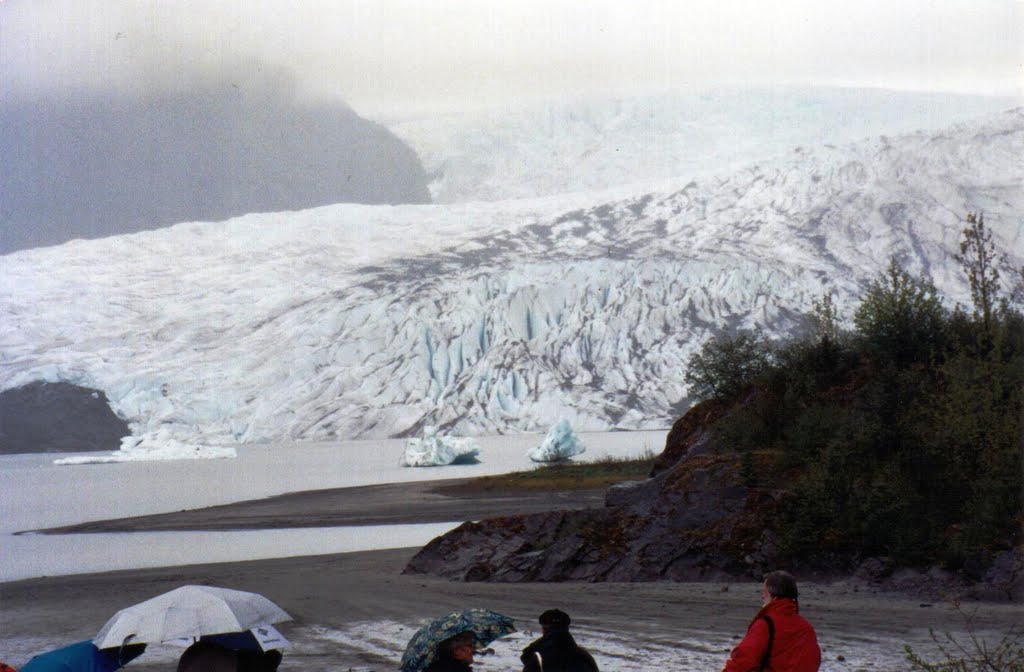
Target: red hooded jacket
x,y
794,646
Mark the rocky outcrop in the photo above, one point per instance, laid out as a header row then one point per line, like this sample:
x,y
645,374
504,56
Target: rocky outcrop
x,y
694,519
56,418
995,578
689,435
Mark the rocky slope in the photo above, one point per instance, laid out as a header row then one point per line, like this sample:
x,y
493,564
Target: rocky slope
x,y
692,520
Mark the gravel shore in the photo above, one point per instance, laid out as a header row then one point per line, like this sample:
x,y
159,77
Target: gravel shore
x,y
357,610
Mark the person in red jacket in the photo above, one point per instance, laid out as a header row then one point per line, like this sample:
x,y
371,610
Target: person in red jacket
x,y
779,639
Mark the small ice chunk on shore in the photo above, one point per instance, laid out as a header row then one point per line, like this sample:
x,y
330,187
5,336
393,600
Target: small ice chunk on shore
x,y
434,450
559,445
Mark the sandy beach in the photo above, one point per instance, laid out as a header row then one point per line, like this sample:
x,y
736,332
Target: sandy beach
x,y
357,610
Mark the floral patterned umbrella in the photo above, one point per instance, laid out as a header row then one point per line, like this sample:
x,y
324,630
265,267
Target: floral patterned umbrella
x,y
485,625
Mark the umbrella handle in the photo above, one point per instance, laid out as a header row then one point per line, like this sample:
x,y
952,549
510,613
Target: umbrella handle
x,y
120,650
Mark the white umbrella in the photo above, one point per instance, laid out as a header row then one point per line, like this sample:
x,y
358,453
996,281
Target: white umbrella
x,y
262,637
189,611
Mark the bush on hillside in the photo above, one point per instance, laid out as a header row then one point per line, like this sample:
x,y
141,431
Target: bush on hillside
x,y
901,318
902,438
724,366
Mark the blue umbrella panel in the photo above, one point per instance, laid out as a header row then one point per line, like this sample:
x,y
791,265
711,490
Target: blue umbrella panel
x,y
83,657
485,625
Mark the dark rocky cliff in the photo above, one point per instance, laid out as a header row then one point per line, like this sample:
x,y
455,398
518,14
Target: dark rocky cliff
x,y
693,519
43,417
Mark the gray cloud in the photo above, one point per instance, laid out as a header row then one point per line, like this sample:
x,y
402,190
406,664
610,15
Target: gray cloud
x,y
388,54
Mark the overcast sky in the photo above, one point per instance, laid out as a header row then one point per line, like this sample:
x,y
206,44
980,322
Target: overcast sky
x,y
393,55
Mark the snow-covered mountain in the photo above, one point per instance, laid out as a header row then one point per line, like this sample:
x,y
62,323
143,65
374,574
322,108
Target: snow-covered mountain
x,y
571,145
367,321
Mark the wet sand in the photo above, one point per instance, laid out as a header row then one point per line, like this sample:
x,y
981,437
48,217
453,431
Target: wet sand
x,y
387,504
357,592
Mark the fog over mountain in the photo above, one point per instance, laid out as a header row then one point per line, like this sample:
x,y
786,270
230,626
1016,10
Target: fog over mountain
x,y
368,321
584,144
110,162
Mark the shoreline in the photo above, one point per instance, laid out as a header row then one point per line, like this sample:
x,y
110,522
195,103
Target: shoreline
x,y
384,504
360,593
356,610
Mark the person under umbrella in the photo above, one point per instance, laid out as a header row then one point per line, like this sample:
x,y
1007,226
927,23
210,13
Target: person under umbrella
x,y
446,644
189,612
211,656
454,654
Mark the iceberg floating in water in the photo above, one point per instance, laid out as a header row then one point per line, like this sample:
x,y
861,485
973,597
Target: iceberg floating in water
x,y
436,451
159,445
559,445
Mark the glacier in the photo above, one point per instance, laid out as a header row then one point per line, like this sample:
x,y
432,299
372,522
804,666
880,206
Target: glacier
x,y
559,445
354,321
576,144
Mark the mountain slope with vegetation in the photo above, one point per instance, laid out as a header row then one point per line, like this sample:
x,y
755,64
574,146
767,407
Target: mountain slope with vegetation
x,y
892,447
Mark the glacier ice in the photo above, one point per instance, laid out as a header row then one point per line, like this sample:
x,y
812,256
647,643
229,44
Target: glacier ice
x,y
159,445
434,450
348,322
560,444
572,145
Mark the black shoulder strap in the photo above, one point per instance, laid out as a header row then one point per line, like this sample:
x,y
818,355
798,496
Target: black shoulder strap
x,y
771,640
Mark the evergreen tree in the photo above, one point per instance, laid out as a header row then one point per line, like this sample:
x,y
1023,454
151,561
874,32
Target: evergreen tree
x,y
980,263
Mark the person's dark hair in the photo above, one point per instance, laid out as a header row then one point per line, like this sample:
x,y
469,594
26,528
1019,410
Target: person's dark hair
x,y
781,584
554,617
259,661
206,656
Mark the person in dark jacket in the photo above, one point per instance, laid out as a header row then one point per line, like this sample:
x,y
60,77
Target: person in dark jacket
x,y
779,639
203,656
454,654
556,650
206,656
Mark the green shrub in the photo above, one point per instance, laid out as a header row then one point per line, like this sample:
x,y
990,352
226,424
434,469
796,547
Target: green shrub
x,y
901,318
725,366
